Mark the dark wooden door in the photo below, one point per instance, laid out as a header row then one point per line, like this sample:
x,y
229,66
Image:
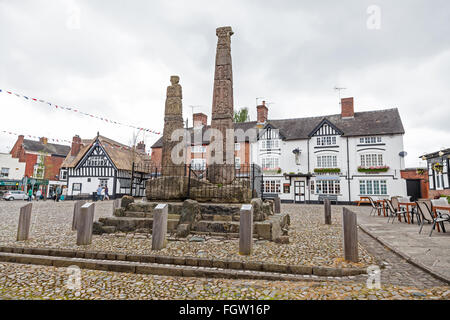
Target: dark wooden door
x,y
413,189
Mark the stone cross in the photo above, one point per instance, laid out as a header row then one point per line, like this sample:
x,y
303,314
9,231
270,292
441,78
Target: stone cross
x,y
222,112
350,235
159,232
246,230
76,213
23,231
173,120
85,223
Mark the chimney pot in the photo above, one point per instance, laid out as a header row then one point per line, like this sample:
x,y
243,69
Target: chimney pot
x,y
347,108
44,140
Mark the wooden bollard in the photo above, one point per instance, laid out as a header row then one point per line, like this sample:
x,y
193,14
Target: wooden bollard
x,y
350,234
85,223
246,230
23,231
277,204
327,210
159,226
76,213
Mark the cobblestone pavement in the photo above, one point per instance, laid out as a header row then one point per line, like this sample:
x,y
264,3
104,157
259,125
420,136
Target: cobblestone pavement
x,y
40,282
400,280
311,241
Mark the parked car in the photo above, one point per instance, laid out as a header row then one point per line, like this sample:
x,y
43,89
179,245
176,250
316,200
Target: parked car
x,y
15,195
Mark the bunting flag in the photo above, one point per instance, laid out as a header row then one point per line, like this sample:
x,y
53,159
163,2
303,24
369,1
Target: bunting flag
x,y
80,112
67,141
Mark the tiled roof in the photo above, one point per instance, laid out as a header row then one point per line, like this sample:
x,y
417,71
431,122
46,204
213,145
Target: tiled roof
x,y
47,148
379,122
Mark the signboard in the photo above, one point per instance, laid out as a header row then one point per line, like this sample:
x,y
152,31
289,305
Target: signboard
x,y
9,183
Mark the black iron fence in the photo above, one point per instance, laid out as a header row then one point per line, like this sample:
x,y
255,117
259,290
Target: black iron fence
x,y
217,183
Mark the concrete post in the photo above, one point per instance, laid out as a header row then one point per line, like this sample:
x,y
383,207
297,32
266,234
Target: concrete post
x,y
159,232
277,204
116,204
76,213
350,233
327,210
85,223
23,230
246,230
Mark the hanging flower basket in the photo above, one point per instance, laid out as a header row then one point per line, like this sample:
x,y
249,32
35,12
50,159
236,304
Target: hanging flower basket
x,y
420,171
438,167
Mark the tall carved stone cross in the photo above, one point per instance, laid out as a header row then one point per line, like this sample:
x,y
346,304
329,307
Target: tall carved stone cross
x,y
222,112
173,120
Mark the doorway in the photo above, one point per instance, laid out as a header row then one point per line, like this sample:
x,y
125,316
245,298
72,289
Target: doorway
x,y
413,189
299,191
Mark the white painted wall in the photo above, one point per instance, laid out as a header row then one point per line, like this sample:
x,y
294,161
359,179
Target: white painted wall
x,y
16,168
88,187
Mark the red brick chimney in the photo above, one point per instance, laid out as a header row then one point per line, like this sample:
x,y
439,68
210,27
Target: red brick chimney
x,y
141,146
262,112
76,145
44,140
347,108
199,119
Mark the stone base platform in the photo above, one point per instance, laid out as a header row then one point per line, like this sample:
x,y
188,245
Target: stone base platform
x,y
193,217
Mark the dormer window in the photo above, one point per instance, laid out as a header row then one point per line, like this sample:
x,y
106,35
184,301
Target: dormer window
x,y
270,139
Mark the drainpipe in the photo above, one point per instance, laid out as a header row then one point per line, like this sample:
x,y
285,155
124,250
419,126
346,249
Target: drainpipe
x,y
308,179
348,173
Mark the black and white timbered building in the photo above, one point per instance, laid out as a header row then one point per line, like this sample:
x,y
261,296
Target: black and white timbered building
x,y
103,162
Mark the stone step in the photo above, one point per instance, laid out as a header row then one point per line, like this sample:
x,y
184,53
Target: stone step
x,y
158,269
217,226
128,224
138,214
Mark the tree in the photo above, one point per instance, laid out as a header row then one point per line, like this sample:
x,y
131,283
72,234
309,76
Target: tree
x,y
241,115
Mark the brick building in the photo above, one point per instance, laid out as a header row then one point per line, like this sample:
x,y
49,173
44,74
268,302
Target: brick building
x,y
42,162
438,171
417,183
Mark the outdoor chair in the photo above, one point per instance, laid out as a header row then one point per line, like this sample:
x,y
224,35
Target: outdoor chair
x,y
427,214
394,211
376,207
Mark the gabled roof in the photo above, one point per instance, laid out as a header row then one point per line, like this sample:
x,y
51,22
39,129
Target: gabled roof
x,y
321,124
120,154
47,148
378,122
436,154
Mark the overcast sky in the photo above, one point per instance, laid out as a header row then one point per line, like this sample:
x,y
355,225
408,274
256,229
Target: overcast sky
x,y
115,59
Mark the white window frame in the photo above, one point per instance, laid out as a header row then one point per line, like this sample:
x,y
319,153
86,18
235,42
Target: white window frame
x,y
270,162
372,159
373,187
327,161
4,173
237,146
63,174
272,186
326,141
198,149
198,164
326,187
370,140
237,162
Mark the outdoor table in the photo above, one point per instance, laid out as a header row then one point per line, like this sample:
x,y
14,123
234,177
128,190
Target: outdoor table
x,y
360,200
407,205
435,208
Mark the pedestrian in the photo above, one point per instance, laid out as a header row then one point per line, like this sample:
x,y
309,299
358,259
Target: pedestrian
x,y
103,193
99,192
106,193
30,194
64,193
38,195
58,194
